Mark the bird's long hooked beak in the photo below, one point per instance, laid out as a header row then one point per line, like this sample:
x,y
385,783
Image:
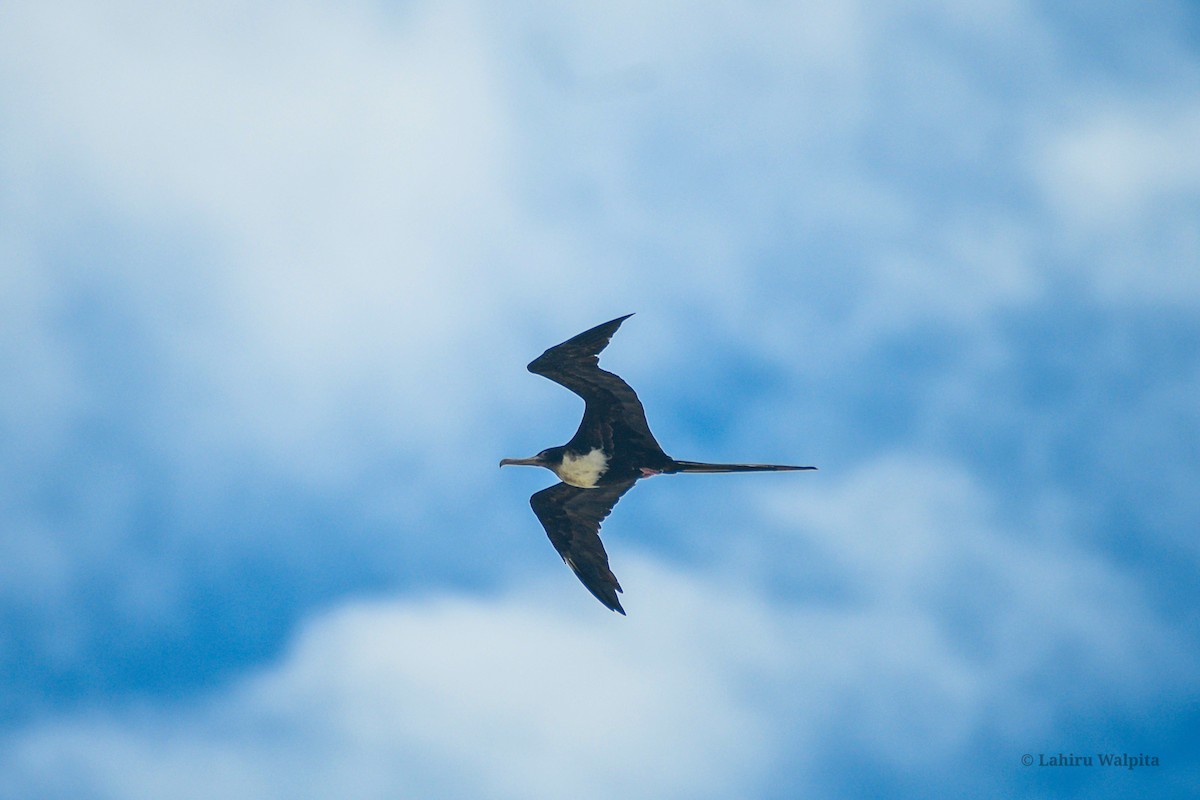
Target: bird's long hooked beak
x,y
532,461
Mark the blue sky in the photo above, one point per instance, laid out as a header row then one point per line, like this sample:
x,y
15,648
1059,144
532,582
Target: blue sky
x,y
271,276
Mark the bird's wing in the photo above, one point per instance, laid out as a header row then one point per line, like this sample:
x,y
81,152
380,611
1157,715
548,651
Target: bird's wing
x,y
610,401
572,517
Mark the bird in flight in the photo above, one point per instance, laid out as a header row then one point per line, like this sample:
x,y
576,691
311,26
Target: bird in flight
x,y
612,450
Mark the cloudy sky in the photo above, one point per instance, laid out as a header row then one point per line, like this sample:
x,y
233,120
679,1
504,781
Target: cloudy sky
x,y
269,277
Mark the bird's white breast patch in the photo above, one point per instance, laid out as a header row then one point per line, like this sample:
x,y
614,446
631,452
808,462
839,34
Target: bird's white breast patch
x,y
583,471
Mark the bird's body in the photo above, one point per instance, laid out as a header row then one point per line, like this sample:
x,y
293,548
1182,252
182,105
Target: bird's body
x,y
612,449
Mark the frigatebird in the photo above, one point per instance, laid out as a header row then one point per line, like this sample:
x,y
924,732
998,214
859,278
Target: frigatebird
x,y
612,450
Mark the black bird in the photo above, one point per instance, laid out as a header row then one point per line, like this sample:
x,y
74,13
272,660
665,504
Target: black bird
x,y
611,451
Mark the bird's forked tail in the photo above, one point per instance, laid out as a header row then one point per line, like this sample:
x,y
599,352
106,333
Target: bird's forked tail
x,y
700,466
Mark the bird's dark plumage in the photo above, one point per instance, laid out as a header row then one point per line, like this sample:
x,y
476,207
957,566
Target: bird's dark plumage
x,y
572,517
612,412
612,449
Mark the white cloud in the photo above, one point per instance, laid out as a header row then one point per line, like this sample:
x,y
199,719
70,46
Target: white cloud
x,y
41,385
778,164
707,689
504,699
1008,593
1123,178
338,183
292,213
1118,165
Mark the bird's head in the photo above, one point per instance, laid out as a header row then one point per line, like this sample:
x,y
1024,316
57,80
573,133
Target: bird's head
x,y
548,458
